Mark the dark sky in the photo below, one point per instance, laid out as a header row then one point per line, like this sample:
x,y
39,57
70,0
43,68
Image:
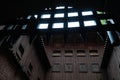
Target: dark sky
x,y
10,9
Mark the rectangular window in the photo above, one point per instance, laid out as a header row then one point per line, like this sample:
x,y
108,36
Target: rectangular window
x,y
30,67
95,67
56,67
87,13
45,16
90,23
21,49
59,15
24,27
43,26
72,14
56,53
60,7
82,67
10,27
73,24
81,53
68,67
93,53
68,53
58,25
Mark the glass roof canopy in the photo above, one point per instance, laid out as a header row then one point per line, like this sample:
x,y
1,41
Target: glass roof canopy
x,y
68,17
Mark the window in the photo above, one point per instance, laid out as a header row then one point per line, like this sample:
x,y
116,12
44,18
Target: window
x,y
30,67
43,26
10,27
93,53
58,25
29,16
21,49
56,67
56,53
72,14
69,7
87,13
95,67
68,67
81,53
59,15
73,24
68,53
60,7
90,23
107,21
45,16
82,67
100,12
36,16
24,27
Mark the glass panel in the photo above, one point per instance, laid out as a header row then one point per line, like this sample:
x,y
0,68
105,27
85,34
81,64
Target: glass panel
x,y
29,16
58,25
69,7
60,7
36,16
43,26
95,67
82,67
73,24
72,14
68,67
56,67
100,12
59,15
107,21
44,16
86,13
90,23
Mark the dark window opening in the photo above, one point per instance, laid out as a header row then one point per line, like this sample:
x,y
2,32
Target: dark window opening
x,y
21,49
93,51
80,51
30,67
68,51
56,51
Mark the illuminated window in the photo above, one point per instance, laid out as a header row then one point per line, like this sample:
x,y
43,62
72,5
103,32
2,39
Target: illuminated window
x,y
72,14
43,26
69,7
100,12
73,24
36,16
29,16
24,27
107,21
60,7
58,25
90,23
44,16
59,15
86,13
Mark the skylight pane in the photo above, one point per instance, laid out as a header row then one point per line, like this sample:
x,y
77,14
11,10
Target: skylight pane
x,y
60,7
36,16
43,26
44,16
73,24
72,14
103,22
59,15
111,21
87,13
90,23
29,16
100,12
58,25
69,7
